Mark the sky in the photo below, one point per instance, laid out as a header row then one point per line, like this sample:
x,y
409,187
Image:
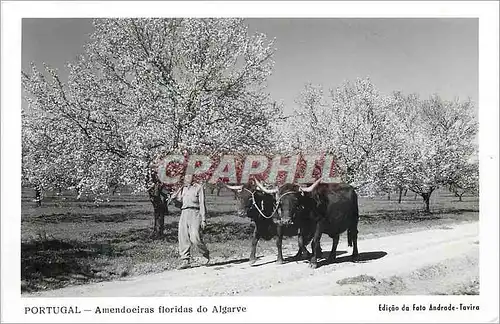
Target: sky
x,y
424,56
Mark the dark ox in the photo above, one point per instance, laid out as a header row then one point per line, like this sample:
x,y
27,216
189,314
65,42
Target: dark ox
x,y
256,203
260,208
318,209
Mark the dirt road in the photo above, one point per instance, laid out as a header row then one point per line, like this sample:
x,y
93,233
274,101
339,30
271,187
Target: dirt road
x,y
438,261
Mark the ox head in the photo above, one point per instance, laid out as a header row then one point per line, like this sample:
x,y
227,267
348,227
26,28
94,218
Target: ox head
x,y
290,199
251,199
243,195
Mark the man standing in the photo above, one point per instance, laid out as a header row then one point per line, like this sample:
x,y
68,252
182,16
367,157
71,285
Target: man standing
x,y
191,199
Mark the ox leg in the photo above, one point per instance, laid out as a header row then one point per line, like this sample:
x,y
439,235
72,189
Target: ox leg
x,y
303,239
307,236
333,253
316,247
302,248
354,243
300,242
279,243
320,250
255,240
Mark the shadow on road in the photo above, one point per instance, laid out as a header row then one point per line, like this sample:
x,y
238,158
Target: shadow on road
x,y
293,259
288,259
237,261
240,261
362,257
324,255
261,264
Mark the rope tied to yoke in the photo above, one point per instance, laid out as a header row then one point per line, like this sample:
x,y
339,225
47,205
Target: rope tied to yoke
x,y
276,203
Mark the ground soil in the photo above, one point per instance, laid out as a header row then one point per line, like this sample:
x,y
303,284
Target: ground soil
x,y
441,260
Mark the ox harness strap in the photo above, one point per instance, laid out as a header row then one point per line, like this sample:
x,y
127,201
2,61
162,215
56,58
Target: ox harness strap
x,y
276,205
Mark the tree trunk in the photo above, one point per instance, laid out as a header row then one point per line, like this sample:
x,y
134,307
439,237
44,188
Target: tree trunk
x,y
460,197
400,195
38,196
427,197
405,192
159,200
159,225
388,196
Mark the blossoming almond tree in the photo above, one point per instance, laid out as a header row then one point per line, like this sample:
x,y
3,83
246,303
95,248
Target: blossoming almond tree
x,y
438,139
350,124
465,180
382,143
146,87
53,156
394,160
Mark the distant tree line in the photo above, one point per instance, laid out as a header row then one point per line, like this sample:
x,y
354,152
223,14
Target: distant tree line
x,y
389,142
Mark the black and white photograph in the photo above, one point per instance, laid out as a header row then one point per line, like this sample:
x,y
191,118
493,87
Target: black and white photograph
x,y
220,157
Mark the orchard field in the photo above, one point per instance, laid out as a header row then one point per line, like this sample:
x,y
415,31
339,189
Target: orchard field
x,y
67,242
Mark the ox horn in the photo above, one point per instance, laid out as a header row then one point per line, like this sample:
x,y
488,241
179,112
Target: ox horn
x,y
311,187
261,187
237,188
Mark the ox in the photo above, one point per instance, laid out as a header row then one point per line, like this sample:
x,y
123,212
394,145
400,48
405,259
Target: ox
x,y
318,209
263,209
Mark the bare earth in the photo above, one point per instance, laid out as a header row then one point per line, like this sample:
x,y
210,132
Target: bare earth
x,y
438,261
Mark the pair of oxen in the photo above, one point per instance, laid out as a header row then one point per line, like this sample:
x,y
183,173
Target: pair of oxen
x,y
330,208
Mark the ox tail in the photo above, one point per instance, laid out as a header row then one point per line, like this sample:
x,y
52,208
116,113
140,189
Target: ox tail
x,y
349,237
352,231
